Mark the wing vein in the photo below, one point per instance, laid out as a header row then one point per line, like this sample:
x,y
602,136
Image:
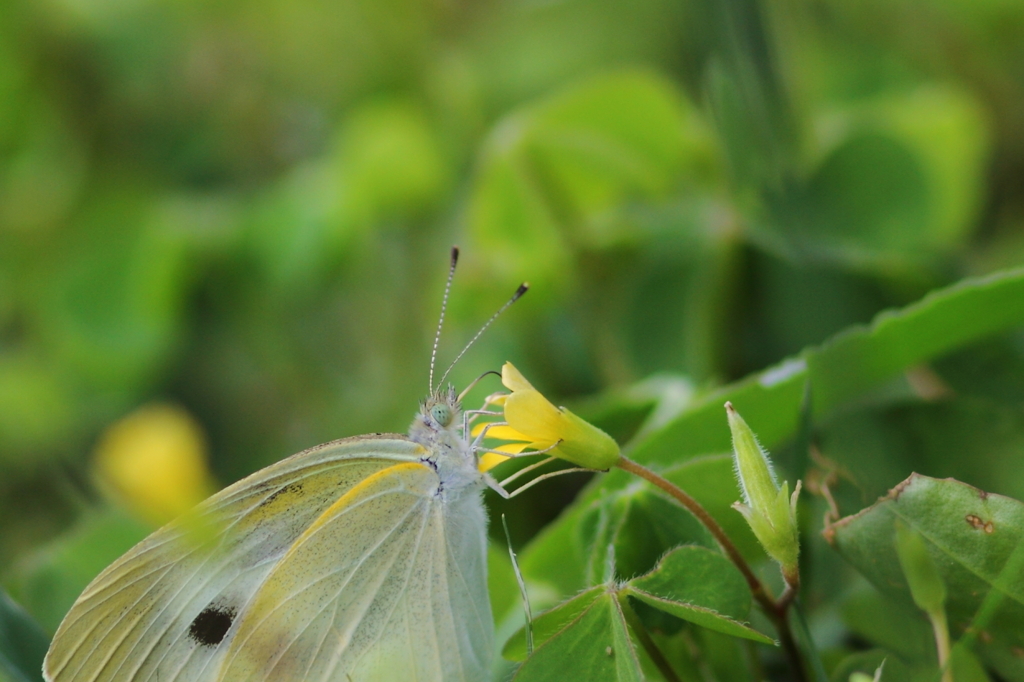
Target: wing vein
x,y
391,613
336,599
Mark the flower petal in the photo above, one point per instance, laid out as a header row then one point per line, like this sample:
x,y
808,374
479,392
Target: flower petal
x,y
489,460
515,448
533,416
495,399
513,379
502,432
530,413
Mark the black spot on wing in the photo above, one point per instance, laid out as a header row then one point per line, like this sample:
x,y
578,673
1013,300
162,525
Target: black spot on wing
x,y
210,626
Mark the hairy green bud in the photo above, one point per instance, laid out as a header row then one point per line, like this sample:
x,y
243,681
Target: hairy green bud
x,y
768,508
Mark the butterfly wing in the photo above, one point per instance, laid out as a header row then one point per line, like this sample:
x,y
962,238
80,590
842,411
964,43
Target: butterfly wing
x,y
167,609
388,584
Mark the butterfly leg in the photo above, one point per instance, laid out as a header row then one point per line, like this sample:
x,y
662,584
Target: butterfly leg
x,y
493,484
546,476
470,415
498,486
479,438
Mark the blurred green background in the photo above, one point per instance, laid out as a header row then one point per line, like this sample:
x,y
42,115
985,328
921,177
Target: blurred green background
x,y
244,210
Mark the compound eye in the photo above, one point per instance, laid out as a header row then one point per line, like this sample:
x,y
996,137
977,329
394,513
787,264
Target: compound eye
x,y
442,414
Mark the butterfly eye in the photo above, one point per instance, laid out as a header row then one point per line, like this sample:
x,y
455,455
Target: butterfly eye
x,y
442,414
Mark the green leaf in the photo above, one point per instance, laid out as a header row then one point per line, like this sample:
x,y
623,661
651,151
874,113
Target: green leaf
x,y
23,643
898,626
899,187
508,215
501,581
570,554
557,554
926,586
294,231
654,525
867,203
555,174
36,409
643,406
946,126
846,367
966,667
857,360
971,439
593,646
111,303
962,437
392,161
972,537
641,524
701,586
840,371
550,623
49,582
697,653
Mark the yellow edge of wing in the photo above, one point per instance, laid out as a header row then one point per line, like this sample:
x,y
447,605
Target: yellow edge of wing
x,y
355,492
419,478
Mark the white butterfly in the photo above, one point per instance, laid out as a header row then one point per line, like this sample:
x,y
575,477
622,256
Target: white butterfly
x,y
359,560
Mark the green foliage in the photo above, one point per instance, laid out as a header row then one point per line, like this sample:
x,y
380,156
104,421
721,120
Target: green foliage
x,y
808,211
692,583
974,541
555,176
22,643
926,586
699,586
595,645
49,584
602,515
846,367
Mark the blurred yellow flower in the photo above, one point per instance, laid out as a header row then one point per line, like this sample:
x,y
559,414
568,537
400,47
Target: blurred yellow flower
x,y
534,423
154,462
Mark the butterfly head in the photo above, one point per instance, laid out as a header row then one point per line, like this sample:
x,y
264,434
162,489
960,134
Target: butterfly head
x,y
439,414
442,413
438,427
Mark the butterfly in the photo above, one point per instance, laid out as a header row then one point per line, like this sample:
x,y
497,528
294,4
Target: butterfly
x,y
359,560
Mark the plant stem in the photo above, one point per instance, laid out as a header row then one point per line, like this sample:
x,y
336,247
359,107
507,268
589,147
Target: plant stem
x,y
646,642
694,507
781,621
804,643
775,610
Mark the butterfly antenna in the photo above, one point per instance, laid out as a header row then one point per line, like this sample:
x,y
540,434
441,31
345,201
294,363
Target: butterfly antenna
x,y
440,322
476,381
523,288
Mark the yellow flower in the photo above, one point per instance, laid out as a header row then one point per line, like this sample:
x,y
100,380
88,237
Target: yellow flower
x,y
534,423
154,461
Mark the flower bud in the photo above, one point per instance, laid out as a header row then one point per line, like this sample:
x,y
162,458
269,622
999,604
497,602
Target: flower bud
x,y
768,508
